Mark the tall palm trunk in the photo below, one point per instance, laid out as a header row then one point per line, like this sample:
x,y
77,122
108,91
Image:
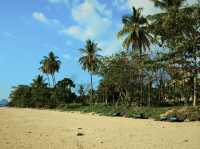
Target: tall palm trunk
x,y
53,79
91,84
48,79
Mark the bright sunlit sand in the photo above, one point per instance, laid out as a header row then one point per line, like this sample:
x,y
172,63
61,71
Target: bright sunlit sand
x,y
44,129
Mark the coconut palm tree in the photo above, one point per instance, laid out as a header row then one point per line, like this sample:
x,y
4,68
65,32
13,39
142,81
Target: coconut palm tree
x,y
135,31
136,36
38,82
89,59
44,68
50,65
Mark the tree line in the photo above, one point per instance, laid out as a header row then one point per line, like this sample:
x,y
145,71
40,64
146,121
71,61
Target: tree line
x,y
138,75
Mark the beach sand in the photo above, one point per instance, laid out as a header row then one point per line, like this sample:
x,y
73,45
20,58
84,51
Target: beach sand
x,y
45,129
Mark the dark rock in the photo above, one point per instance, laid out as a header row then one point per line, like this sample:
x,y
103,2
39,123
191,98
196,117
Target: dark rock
x,y
80,134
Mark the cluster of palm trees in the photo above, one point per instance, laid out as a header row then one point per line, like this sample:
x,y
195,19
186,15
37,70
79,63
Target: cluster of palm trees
x,y
169,30
134,75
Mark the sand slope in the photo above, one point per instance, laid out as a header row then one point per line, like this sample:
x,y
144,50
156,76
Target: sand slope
x,y
44,129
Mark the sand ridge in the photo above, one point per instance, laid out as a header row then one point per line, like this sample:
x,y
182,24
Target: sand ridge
x,y
45,129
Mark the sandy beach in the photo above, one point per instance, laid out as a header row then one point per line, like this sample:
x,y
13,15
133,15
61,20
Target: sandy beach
x,y
45,129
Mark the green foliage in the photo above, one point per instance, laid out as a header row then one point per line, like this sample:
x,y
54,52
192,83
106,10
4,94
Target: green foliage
x,y
38,95
135,31
50,65
62,93
109,110
21,96
89,57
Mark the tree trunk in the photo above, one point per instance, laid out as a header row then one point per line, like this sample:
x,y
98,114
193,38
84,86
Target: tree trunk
x,y
91,84
106,97
53,79
141,91
141,79
48,79
195,91
195,81
149,93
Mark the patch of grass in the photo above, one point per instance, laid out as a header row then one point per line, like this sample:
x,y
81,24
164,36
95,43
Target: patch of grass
x,y
190,113
108,110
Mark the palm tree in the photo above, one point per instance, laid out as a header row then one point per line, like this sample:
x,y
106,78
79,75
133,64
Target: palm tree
x,y
50,65
44,68
38,82
89,59
136,35
135,31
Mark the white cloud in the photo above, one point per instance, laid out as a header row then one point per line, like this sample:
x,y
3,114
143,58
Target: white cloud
x,y
42,18
91,22
39,16
73,31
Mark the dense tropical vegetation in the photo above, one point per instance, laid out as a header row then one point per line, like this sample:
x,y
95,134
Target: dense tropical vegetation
x,y
159,66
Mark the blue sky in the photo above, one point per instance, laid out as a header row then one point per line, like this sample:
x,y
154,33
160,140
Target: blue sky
x,y
30,29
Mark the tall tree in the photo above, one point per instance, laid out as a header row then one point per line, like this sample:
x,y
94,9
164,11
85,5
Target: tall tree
x,y
178,29
38,82
135,31
50,65
62,92
40,93
89,59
